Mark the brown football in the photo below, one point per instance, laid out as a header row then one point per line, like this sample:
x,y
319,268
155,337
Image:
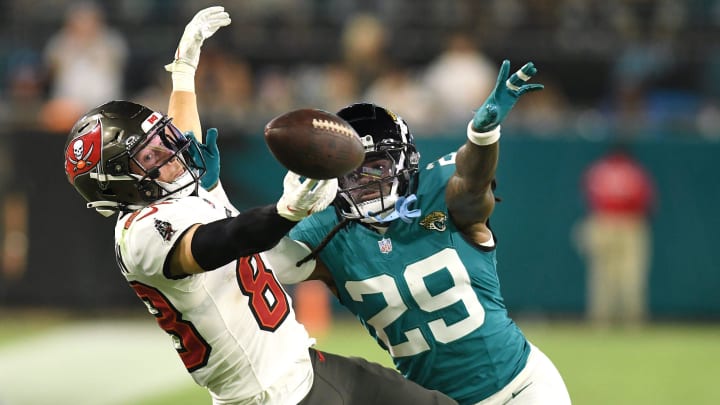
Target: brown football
x,y
314,143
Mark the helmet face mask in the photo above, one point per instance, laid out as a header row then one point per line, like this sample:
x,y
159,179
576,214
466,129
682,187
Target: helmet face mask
x,y
372,187
122,156
160,155
389,170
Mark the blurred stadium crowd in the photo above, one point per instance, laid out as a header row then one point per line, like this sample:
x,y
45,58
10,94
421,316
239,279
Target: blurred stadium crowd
x,y
644,71
616,68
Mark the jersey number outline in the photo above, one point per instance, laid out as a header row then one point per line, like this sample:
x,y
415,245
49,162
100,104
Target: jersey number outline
x,y
446,160
254,280
414,274
267,300
194,351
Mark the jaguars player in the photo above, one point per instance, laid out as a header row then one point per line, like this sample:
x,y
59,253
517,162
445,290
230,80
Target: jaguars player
x,y
411,253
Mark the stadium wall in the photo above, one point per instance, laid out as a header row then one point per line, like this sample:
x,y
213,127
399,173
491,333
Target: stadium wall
x,y
71,262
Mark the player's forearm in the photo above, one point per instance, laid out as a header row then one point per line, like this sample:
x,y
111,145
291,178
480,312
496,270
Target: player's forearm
x,y
253,231
283,258
468,194
183,104
183,109
476,165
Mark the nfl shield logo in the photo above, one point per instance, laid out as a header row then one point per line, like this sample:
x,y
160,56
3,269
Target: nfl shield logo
x,y
385,245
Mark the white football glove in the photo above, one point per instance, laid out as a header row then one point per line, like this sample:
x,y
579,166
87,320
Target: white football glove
x,y
302,198
187,56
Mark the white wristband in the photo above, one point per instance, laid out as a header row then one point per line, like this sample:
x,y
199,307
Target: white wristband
x,y
183,81
183,76
483,138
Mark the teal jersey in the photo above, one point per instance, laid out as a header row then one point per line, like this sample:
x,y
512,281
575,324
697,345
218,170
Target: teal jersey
x,y
427,294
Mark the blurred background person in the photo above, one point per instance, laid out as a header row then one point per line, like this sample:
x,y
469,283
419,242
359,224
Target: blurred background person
x,y
616,238
228,102
543,116
457,77
24,85
363,47
399,88
86,62
19,109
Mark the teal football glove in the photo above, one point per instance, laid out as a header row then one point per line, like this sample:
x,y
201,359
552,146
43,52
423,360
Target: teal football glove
x,y
210,154
504,96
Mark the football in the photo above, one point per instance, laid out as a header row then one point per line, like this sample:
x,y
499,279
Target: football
x,y
314,143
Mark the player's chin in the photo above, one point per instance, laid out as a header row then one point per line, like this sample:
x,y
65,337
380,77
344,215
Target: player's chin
x,y
173,174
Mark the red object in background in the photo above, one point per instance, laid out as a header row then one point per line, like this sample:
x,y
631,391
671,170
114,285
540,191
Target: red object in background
x,y
616,184
311,301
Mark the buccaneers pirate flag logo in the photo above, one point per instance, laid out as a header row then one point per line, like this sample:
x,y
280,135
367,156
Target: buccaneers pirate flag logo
x,y
83,153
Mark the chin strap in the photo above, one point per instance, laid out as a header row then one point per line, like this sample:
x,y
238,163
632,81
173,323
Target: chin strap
x,y
401,211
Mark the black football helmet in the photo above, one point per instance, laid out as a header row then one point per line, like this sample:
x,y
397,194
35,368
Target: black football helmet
x,y
389,170
122,156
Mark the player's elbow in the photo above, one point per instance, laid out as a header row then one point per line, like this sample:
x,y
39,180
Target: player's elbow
x,y
283,259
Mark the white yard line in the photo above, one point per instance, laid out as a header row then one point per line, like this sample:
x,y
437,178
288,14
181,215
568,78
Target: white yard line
x,y
99,363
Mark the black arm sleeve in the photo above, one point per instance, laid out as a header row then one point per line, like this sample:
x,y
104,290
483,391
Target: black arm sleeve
x,y
255,230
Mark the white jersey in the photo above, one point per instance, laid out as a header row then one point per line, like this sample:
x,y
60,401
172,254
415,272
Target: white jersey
x,y
234,327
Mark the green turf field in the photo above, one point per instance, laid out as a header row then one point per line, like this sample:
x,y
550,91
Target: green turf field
x,y
657,365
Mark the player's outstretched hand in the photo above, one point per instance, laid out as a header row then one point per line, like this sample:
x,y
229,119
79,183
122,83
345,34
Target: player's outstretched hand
x,y
302,196
504,95
210,154
203,25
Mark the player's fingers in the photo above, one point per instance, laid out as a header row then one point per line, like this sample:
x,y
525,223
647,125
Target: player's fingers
x,y
528,88
204,14
330,184
308,185
291,180
326,190
521,76
210,10
528,70
218,20
502,75
325,193
212,17
211,141
211,136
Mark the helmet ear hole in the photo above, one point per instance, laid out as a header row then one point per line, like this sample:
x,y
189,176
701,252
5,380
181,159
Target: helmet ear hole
x,y
117,168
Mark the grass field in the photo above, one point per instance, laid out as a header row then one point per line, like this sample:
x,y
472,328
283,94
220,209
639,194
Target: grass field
x,y
62,360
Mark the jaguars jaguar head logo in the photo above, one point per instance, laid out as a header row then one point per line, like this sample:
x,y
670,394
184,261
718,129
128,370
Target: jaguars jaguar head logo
x,y
435,221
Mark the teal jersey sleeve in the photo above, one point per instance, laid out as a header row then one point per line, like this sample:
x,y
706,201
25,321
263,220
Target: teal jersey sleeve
x,y
429,296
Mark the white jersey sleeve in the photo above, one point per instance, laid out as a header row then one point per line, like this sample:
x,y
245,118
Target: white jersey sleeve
x,y
234,328
219,194
146,237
